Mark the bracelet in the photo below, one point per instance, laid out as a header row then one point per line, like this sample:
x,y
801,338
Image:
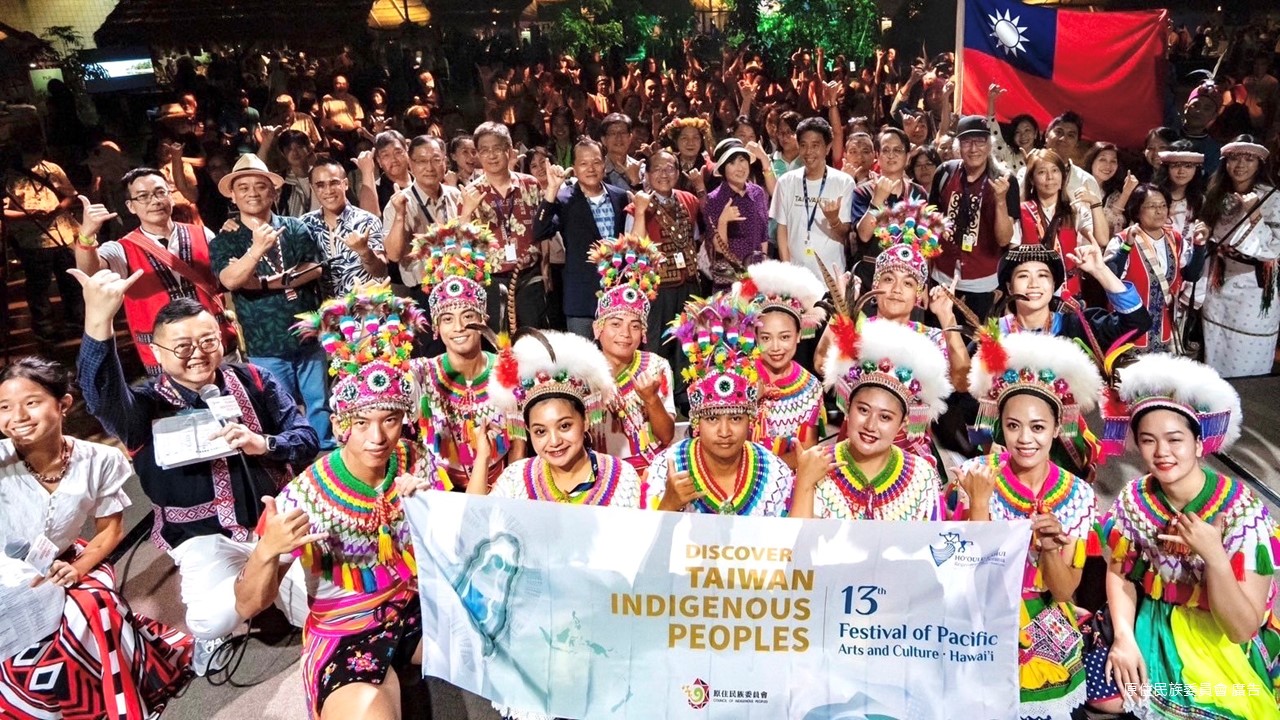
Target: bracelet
x,y
87,242
1096,205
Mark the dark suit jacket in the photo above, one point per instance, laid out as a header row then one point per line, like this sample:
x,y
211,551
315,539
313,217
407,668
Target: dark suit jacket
x,y
570,215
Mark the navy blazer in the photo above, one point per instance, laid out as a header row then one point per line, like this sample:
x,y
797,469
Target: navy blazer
x,y
570,215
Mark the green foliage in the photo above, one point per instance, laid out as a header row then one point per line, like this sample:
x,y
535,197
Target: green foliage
x,y
850,27
639,27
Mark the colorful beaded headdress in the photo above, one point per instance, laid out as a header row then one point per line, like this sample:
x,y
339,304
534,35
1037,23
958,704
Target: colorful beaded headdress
x,y
457,261
551,364
775,285
368,334
1173,382
893,357
718,335
910,233
1035,252
628,267
1053,368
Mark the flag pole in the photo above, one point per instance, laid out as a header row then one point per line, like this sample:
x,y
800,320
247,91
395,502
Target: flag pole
x,y
958,100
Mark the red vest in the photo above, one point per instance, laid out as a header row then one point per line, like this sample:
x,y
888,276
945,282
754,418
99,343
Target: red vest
x,y
1148,286
690,203
160,284
1064,240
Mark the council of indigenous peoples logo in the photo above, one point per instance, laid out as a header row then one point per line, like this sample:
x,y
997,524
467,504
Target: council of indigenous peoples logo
x,y
698,693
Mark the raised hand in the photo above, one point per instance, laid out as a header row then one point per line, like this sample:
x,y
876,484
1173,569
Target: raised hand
x,y
1000,186
555,180
994,91
1085,196
1203,538
641,202
357,242
399,202
1130,182
978,483
813,465
831,209
942,305
103,293
680,490
265,237
471,199
1199,233
1088,258
696,181
95,216
731,214
647,386
282,534
885,188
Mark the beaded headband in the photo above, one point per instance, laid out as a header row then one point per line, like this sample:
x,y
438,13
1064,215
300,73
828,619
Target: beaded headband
x,y
911,233
551,364
628,267
368,334
457,262
718,335
775,285
1170,382
1052,368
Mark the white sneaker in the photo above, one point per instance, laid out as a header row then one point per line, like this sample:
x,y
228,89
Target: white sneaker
x,y
206,658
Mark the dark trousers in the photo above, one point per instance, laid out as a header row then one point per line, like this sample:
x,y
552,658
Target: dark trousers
x,y
531,301
43,267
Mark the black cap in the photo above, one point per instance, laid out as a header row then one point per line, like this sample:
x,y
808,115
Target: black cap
x,y
972,125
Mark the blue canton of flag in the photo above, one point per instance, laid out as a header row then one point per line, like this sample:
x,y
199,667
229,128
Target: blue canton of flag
x,y
1021,35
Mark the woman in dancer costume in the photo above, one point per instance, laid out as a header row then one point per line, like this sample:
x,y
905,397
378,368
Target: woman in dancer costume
x,y
100,660
558,386
642,414
1192,557
343,516
792,414
890,382
454,388
1031,390
720,470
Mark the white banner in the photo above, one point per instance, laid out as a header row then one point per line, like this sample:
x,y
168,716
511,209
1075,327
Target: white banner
x,y
583,612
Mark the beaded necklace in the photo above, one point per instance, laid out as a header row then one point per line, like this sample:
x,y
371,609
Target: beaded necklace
x,y
1017,496
540,482
748,484
64,461
864,495
457,408
368,546
628,408
1211,499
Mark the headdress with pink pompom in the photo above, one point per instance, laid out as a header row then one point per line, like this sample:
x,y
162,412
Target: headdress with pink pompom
x,y
911,233
458,260
628,267
718,335
368,334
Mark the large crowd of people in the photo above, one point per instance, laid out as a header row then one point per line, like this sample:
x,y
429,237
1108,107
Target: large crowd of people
x,y
693,287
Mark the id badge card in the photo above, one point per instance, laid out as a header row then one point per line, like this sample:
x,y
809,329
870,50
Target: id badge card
x,y
678,258
968,242
42,554
509,252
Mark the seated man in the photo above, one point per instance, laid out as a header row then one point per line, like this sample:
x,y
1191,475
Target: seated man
x,y
205,512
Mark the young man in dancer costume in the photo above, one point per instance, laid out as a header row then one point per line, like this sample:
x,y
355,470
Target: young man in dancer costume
x,y
454,388
720,470
642,415
343,516
1032,390
792,416
890,382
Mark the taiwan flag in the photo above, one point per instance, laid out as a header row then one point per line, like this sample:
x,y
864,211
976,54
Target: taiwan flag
x,y
1106,66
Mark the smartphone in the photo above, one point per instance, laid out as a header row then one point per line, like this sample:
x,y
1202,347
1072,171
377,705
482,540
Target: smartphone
x,y
853,66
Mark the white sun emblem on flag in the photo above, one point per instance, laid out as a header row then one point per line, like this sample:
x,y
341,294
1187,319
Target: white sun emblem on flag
x,y
1007,32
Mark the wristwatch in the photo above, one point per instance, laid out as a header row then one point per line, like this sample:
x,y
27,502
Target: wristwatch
x,y
273,442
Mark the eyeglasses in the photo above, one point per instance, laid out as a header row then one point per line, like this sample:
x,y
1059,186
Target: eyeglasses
x,y
491,150
157,194
185,351
893,150
974,142
667,170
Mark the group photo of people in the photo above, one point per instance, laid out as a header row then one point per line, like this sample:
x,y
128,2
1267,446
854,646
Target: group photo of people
x,y
303,287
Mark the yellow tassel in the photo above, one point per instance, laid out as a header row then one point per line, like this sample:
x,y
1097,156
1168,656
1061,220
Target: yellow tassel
x,y
1157,585
1039,579
386,551
1122,549
1077,558
347,582
411,561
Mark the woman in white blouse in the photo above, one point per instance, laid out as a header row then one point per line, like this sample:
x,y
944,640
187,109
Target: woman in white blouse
x,y
50,486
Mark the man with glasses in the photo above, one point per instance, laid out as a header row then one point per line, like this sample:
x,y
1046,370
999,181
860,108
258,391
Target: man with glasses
x,y
173,258
506,202
350,238
205,512
981,198
620,169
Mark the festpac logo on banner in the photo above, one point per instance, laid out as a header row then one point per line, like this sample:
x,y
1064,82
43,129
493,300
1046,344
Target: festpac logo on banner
x,y
955,549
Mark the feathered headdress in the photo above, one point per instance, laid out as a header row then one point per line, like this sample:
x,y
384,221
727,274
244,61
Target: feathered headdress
x,y
457,261
775,285
368,334
896,358
671,132
1053,368
628,267
911,233
541,364
1173,382
718,335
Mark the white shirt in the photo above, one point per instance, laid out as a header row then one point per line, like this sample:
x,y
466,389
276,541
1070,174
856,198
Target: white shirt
x,y
788,209
442,209
93,487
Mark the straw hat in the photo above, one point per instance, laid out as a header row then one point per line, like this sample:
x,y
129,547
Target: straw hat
x,y
248,164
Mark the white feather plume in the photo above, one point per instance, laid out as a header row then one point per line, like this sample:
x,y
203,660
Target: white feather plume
x,y
773,277
1185,381
575,355
1044,352
903,347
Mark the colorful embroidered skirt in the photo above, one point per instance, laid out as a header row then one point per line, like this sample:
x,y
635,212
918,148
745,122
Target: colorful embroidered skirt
x,y
1050,660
